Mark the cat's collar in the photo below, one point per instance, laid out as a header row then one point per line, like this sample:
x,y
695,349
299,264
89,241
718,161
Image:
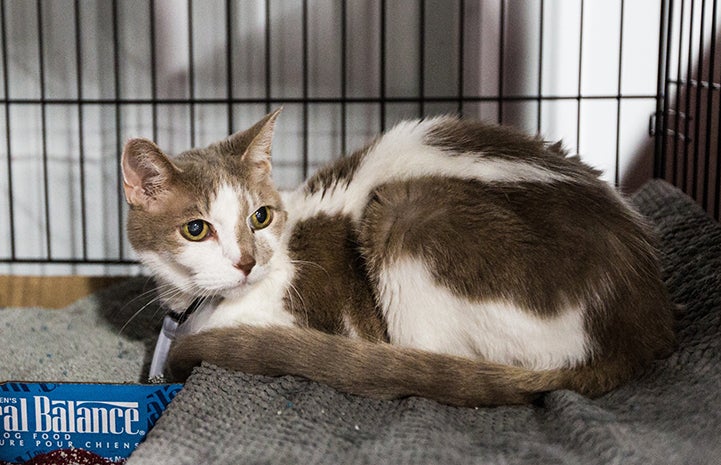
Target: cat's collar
x,y
171,322
181,318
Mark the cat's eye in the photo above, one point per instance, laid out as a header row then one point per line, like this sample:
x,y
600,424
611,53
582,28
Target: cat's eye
x,y
195,230
261,218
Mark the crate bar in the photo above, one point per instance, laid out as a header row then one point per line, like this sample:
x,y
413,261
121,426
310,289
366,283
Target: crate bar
x,y
662,88
43,128
617,171
304,32
421,56
501,54
118,121
316,100
674,179
717,189
229,61
579,98
6,88
153,72
709,118
326,100
713,86
709,105
268,83
343,77
687,122
191,74
461,52
699,91
539,88
81,131
67,261
382,70
11,205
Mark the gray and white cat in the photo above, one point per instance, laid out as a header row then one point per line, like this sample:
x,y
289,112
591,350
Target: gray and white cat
x,y
450,259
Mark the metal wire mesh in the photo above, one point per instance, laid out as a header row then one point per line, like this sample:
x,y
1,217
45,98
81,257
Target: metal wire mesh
x,y
689,131
81,76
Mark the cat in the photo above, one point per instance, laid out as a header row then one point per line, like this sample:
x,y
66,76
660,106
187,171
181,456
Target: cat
x,y
450,259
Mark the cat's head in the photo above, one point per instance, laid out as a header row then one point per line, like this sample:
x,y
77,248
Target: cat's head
x,y
209,221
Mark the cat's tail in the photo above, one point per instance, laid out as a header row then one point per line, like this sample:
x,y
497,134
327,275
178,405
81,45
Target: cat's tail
x,y
380,370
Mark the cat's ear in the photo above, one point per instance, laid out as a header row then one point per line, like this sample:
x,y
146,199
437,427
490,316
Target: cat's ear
x,y
254,144
147,173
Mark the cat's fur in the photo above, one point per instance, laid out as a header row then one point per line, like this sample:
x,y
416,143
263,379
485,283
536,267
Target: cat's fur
x,y
449,259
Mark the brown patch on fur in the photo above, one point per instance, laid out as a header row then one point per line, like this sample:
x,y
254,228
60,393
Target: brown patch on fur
x,y
490,240
187,195
330,283
261,251
253,144
158,197
191,180
466,136
340,173
530,244
147,174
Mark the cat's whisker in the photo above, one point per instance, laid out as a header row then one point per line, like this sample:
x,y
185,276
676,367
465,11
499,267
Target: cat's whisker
x,y
139,297
135,315
302,302
163,292
307,262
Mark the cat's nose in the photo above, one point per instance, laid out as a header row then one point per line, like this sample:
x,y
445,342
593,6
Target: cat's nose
x,y
246,264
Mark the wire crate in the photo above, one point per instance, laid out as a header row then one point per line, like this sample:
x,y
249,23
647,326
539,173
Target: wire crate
x,y
633,87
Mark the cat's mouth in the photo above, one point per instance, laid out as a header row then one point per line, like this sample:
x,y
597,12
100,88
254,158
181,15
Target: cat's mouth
x,y
229,288
221,289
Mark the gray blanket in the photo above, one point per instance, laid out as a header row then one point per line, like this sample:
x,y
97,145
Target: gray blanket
x,y
671,414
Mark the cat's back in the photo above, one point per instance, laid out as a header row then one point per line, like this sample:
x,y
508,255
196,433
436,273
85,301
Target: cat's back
x,y
446,147
528,256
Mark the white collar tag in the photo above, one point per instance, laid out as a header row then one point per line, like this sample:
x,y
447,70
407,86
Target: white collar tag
x,y
162,348
171,323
